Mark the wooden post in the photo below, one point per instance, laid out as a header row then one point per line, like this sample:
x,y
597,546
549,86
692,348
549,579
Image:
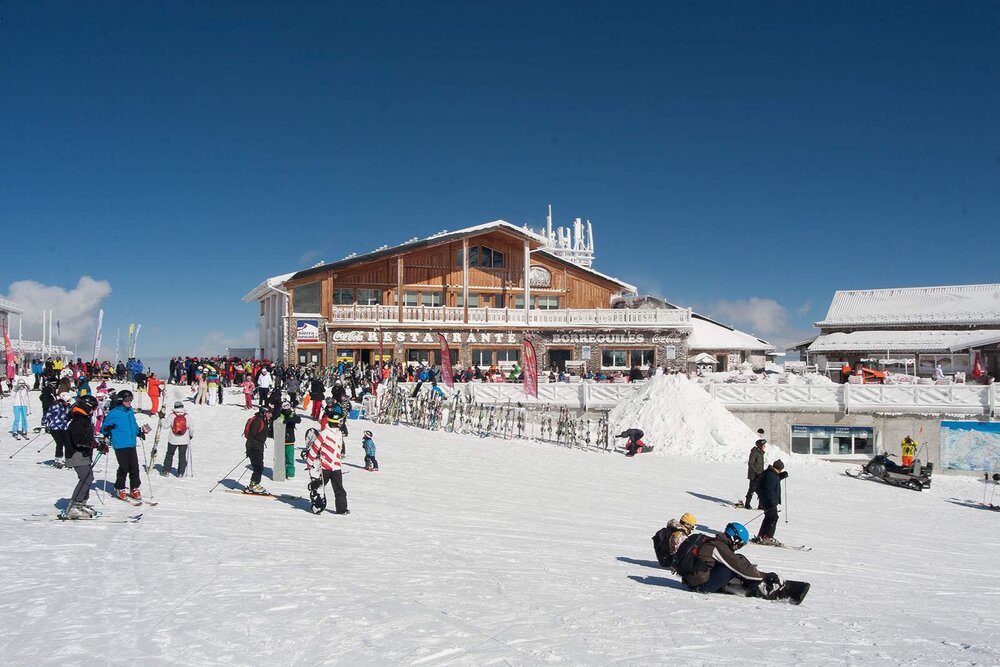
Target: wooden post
x,y
399,287
465,280
527,288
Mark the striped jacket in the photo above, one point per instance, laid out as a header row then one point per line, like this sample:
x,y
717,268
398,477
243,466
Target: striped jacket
x,y
328,447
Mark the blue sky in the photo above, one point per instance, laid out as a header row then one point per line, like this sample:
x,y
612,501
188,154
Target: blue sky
x,y
747,159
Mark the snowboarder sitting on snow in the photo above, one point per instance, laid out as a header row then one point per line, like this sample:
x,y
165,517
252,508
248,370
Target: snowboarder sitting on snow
x,y
369,444
667,540
711,565
634,436
769,493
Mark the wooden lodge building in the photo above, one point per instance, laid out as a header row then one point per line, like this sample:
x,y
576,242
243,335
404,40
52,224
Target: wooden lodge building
x,y
486,288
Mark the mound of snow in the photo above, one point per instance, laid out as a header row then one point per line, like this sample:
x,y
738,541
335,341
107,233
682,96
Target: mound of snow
x,y
682,419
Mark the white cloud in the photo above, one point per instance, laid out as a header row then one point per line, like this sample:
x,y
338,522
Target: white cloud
x,y
764,317
216,342
74,309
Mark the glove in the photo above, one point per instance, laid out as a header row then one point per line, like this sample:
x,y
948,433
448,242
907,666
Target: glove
x,y
142,435
103,447
162,414
772,579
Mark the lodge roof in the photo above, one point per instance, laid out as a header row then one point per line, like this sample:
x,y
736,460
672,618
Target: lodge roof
x,y
536,242
958,305
904,341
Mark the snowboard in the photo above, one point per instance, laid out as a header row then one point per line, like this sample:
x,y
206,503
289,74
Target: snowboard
x,y
792,592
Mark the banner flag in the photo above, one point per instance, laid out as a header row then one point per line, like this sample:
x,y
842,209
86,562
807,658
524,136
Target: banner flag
x,y
135,341
10,354
97,341
449,379
530,370
128,343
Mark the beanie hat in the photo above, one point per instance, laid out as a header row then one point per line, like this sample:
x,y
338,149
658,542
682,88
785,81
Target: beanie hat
x,y
779,465
178,405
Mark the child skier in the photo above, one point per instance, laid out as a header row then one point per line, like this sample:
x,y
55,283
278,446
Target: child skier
x,y
290,419
80,445
255,433
328,446
56,422
179,438
371,463
248,389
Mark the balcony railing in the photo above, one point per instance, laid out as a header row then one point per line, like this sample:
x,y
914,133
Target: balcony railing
x,y
499,317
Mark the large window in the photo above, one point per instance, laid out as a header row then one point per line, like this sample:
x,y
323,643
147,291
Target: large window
x,y
482,256
369,297
418,356
537,302
343,296
473,300
832,440
642,358
411,298
505,357
949,363
306,298
547,302
431,299
614,359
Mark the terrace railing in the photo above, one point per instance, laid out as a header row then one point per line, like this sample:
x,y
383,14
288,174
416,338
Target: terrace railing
x,y
576,317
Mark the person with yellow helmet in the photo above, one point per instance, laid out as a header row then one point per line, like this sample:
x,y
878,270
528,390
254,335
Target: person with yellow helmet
x,y
668,539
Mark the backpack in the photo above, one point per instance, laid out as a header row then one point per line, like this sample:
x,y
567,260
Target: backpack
x,y
247,430
180,425
686,559
661,545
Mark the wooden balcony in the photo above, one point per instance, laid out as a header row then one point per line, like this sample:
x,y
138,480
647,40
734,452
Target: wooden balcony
x,y
504,317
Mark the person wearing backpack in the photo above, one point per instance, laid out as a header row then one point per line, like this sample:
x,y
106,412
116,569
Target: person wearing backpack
x,y
178,439
255,433
667,540
708,564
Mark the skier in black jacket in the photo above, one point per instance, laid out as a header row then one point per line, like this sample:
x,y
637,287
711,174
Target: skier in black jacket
x,y
80,444
769,493
317,392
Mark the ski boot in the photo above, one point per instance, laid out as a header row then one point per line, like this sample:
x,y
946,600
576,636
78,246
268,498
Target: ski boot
x,y
75,513
256,490
136,494
122,494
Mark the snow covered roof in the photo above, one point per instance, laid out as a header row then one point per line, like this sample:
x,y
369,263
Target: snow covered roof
x,y
10,307
707,334
443,236
265,287
955,305
536,240
904,341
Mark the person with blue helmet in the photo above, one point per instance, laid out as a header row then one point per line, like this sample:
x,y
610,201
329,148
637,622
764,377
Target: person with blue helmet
x,y
710,564
121,427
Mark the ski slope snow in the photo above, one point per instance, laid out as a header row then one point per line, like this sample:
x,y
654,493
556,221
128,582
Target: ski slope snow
x,y
469,551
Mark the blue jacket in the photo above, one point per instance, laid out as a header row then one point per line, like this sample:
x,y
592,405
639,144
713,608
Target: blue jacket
x,y
120,421
37,368
369,446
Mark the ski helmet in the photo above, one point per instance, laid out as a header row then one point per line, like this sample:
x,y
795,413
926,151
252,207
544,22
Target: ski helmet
x,y
124,396
87,402
65,397
330,400
688,520
738,533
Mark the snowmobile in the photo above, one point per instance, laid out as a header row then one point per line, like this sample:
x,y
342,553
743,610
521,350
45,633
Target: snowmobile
x,y
916,477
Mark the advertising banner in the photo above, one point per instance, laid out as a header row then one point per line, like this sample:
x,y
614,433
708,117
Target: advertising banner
x,y
97,341
530,370
307,331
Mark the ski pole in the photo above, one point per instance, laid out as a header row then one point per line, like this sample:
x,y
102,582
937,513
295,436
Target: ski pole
x,y
39,450
25,445
230,473
145,465
786,499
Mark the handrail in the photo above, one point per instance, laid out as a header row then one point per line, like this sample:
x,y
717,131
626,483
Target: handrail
x,y
513,316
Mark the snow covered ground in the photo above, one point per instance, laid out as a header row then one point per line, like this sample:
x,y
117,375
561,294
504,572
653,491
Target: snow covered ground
x,y
477,551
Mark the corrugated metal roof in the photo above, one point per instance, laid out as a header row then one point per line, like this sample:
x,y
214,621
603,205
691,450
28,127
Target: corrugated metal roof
x,y
976,305
903,341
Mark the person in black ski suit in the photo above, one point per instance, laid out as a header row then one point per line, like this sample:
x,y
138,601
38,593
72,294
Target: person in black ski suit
x,y
769,492
755,468
317,392
80,445
255,433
